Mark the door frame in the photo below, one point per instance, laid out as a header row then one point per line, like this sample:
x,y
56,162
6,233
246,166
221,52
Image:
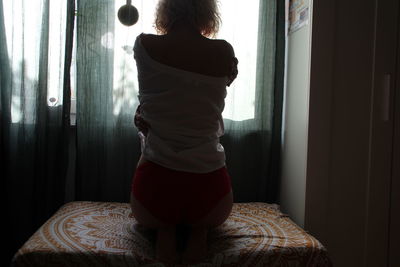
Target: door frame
x,y
394,222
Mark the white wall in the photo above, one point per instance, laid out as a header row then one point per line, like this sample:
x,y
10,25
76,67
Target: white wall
x,y
295,124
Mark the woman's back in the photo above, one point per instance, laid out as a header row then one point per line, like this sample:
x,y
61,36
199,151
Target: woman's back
x,y
190,52
184,108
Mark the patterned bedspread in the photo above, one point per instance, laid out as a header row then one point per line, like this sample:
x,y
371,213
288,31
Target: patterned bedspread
x,y
106,234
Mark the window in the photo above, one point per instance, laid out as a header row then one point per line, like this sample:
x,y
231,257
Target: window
x,y
239,27
24,50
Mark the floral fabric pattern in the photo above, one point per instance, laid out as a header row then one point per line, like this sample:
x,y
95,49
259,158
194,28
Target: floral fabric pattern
x,y
106,234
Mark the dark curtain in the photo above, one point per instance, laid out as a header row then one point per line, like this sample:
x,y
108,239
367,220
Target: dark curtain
x,y
34,131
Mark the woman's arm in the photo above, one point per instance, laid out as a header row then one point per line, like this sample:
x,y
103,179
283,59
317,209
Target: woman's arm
x,y
140,123
233,72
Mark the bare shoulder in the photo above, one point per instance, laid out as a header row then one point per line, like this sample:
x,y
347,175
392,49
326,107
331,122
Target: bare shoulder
x,y
150,40
150,36
224,47
224,53
202,55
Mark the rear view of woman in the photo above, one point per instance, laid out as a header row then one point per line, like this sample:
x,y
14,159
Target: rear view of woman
x,y
181,177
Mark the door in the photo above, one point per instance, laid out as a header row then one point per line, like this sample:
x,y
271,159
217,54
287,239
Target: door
x,y
380,181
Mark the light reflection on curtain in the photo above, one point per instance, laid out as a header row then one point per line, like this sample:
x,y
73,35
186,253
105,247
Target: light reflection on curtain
x,y
107,144
107,147
253,145
34,103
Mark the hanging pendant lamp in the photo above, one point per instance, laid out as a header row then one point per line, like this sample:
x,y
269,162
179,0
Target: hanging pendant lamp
x,y
128,14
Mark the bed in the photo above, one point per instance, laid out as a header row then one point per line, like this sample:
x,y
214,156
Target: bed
x,y
106,234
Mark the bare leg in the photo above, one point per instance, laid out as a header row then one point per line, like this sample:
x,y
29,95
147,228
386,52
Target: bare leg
x,y
166,245
196,248
166,239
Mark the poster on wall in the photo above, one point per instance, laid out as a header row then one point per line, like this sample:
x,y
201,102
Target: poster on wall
x,y
298,14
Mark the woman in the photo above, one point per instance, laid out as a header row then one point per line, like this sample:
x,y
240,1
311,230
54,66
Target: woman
x,y
181,177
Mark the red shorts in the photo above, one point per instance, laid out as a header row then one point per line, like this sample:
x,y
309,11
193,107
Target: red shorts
x,y
176,197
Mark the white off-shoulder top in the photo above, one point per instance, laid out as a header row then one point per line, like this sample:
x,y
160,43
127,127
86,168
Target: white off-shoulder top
x,y
184,111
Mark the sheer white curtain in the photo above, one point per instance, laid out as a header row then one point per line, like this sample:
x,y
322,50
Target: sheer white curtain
x,y
23,23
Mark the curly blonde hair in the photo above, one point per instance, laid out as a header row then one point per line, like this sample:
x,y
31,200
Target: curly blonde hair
x,y
203,14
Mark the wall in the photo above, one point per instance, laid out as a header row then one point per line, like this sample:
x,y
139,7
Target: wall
x,y
295,132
